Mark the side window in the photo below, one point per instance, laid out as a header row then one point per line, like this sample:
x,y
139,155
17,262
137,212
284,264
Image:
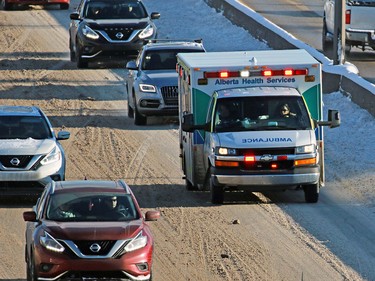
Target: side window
x,y
46,127
303,113
212,118
138,60
184,89
80,7
143,59
41,202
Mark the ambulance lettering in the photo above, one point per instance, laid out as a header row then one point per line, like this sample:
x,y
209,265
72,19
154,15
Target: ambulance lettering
x,y
280,80
226,82
248,81
264,140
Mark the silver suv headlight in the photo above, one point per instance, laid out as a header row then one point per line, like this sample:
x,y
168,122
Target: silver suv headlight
x,y
53,156
147,32
147,88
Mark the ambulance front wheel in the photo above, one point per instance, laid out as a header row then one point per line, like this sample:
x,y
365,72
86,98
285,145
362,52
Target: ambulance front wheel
x,y
189,186
217,193
311,193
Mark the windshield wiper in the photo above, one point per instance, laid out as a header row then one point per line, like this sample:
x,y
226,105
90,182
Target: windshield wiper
x,y
270,128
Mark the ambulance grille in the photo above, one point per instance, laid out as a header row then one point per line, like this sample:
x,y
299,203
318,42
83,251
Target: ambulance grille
x,y
266,165
272,151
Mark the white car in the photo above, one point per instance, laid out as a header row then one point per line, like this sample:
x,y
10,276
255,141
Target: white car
x,y
30,153
359,24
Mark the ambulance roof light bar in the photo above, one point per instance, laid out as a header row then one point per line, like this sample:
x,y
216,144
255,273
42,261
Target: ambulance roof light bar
x,y
248,73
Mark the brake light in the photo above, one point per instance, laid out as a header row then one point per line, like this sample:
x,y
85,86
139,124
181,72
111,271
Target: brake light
x,y
348,15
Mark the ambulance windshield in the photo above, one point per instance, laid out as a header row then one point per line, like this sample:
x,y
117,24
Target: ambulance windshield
x,y
261,113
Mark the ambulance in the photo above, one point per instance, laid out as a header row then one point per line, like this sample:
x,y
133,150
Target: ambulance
x,y
252,121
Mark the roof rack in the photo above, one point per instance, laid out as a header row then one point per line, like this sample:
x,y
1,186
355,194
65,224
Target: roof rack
x,y
176,40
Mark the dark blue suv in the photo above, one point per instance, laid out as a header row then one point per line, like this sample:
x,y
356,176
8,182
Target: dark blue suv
x,y
102,30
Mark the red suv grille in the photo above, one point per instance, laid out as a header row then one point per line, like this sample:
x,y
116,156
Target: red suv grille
x,y
105,247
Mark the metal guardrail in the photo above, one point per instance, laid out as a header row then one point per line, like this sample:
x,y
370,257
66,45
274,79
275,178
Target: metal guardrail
x,y
361,92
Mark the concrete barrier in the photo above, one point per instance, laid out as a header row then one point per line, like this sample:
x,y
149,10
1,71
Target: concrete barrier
x,y
361,91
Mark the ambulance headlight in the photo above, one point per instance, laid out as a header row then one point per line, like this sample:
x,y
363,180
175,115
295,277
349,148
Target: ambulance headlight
x,y
226,151
305,149
147,88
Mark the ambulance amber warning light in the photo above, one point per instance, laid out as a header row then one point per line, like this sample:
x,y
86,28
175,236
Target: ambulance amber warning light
x,y
219,163
302,162
249,158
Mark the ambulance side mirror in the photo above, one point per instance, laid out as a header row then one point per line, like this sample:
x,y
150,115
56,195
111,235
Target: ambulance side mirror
x,y
333,119
187,124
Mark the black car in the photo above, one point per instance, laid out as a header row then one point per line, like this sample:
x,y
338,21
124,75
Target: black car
x,y
102,30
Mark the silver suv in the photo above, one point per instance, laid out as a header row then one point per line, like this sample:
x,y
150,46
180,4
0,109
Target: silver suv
x,y
30,153
151,82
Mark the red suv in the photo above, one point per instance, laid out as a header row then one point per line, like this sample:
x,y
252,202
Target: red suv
x,y
88,230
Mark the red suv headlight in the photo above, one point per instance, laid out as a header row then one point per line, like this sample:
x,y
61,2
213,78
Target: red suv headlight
x,y
50,243
138,242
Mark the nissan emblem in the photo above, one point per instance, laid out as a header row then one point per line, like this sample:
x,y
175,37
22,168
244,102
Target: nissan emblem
x,y
119,35
15,161
95,248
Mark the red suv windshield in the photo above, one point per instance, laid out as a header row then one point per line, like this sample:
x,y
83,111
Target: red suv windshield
x,y
79,206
